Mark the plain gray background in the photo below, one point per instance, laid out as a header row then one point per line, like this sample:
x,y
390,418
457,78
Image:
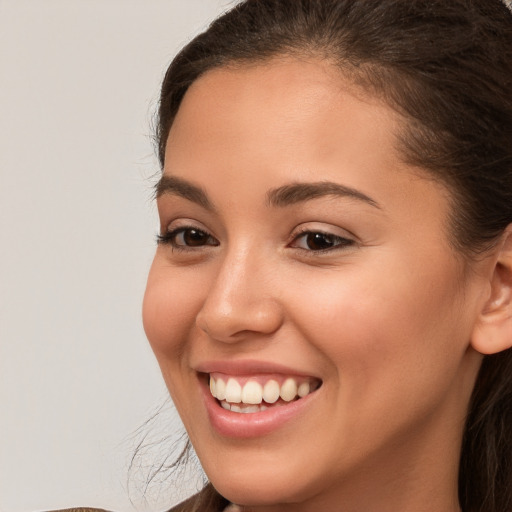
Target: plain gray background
x,y
79,83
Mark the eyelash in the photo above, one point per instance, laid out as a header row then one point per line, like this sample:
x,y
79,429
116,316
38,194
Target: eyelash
x,y
169,238
339,243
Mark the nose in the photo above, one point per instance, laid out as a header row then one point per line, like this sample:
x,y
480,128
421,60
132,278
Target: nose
x,y
241,300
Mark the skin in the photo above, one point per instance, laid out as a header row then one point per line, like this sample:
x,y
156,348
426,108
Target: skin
x,y
386,321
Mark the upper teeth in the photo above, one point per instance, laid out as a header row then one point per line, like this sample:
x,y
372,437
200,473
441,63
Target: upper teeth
x,y
252,392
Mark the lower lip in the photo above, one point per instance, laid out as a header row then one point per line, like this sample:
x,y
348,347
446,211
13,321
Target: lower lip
x,y
240,425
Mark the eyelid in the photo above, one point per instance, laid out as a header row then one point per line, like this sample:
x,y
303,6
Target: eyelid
x,y
177,223
347,239
167,237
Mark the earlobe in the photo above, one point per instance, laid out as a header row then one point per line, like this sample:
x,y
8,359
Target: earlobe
x,y
493,330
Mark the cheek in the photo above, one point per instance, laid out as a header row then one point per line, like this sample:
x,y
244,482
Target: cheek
x,y
388,335
169,311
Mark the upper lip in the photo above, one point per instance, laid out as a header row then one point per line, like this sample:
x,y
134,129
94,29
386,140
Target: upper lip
x,y
249,367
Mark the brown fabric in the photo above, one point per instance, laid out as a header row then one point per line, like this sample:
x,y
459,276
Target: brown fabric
x,y
185,506
80,509
208,500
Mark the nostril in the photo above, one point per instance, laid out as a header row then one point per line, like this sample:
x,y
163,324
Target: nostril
x,y
237,303
239,323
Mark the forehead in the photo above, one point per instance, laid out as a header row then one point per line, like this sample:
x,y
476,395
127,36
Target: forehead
x,y
282,114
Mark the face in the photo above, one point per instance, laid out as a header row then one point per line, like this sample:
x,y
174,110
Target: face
x,y
307,271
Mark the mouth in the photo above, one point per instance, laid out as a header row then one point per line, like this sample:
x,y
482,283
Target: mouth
x,y
259,393
249,398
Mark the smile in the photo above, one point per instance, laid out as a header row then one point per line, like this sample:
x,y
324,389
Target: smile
x,y
249,395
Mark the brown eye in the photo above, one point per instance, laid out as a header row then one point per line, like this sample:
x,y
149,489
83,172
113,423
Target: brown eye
x,y
318,241
191,238
187,238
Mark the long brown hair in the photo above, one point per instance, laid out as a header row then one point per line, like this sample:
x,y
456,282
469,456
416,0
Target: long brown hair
x,y
446,66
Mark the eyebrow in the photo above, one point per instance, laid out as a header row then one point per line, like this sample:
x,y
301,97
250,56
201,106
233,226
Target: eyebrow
x,y
286,195
299,192
183,188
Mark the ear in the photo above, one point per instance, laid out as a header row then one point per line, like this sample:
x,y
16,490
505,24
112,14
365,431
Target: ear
x,y
493,330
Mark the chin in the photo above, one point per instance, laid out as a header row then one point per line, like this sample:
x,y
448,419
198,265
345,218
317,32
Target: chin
x,y
256,489
253,482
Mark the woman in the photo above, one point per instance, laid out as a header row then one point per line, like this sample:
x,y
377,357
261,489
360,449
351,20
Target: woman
x,y
331,297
